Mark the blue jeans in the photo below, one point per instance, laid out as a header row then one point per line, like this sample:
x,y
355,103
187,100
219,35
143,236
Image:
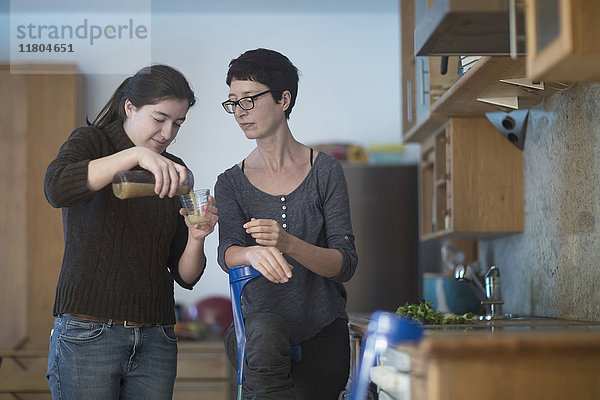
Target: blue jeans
x,y
95,360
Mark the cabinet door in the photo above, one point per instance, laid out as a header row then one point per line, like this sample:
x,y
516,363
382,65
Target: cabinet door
x,y
442,186
471,182
34,125
22,375
562,42
421,70
13,184
212,390
415,70
203,371
427,223
435,184
486,176
407,27
422,80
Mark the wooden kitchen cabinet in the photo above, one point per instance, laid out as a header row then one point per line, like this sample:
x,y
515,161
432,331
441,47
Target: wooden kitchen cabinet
x,y
562,40
476,92
517,365
203,371
471,182
23,375
422,81
546,358
41,105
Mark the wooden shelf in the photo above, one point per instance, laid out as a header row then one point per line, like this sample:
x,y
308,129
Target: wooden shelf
x,y
436,235
480,81
449,234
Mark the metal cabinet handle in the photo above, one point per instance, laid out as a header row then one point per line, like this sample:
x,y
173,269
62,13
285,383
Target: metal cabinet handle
x,y
512,28
409,104
422,92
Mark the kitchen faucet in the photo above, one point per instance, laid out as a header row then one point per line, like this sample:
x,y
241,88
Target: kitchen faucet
x,y
490,296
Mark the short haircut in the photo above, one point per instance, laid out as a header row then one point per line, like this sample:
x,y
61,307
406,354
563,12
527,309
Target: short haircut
x,y
269,68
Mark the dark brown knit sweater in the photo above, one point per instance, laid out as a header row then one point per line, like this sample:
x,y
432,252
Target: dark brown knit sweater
x,y
121,256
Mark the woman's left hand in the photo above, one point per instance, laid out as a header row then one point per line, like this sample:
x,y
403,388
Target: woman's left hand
x,y
268,232
205,228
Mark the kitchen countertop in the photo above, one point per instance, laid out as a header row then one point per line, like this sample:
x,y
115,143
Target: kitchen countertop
x,y
512,335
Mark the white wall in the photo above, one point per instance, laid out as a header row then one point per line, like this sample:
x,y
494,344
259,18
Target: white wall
x,y
348,91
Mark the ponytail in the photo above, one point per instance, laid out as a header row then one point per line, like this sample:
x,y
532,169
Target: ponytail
x,y
112,110
149,85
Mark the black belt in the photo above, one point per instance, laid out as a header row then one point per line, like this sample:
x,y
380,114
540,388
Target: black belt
x,y
125,323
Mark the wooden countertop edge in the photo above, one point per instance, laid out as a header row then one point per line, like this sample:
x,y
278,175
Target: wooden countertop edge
x,y
505,342
519,343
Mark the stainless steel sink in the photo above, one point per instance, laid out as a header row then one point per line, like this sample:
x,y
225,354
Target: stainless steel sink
x,y
523,317
521,322
515,317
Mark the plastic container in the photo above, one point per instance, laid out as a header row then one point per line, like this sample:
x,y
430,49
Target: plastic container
x,y
448,295
394,154
140,183
192,202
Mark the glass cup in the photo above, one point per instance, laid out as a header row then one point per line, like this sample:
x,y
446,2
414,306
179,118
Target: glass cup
x,y
193,202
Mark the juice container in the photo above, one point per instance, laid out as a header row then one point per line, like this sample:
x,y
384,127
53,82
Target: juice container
x,y
140,183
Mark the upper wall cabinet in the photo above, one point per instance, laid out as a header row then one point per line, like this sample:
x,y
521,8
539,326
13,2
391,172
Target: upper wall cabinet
x,y
466,89
424,79
471,27
471,182
562,40
492,83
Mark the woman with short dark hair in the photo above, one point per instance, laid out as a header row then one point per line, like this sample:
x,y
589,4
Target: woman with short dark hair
x,y
285,211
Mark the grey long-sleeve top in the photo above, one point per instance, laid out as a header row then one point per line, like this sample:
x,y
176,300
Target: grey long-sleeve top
x,y
318,212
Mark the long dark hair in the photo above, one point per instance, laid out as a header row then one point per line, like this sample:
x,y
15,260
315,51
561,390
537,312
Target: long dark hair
x,y
150,85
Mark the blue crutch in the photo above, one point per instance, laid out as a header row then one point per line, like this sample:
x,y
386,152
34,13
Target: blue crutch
x,y
384,329
238,277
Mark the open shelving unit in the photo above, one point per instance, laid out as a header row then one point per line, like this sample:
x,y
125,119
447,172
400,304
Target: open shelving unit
x,y
483,80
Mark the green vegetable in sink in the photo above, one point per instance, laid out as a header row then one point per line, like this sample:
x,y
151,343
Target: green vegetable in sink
x,y
426,314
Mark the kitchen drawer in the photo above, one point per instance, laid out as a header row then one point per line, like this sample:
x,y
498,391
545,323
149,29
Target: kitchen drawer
x,y
400,376
203,371
392,383
209,390
202,366
24,372
26,396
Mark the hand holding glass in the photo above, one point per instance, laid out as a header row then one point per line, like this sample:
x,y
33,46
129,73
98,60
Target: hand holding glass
x,y
193,202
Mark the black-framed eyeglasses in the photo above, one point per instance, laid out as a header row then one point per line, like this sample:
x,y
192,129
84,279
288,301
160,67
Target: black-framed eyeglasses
x,y
245,103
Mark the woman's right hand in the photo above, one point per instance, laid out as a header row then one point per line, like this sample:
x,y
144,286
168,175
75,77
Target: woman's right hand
x,y
269,261
167,174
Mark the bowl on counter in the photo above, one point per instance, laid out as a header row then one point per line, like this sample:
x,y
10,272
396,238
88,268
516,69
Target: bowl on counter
x,y
448,295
